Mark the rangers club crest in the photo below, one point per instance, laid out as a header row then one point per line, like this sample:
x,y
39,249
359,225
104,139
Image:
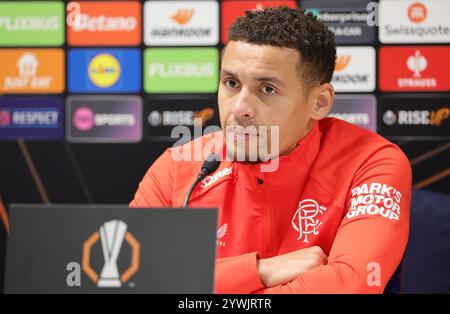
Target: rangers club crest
x,y
306,220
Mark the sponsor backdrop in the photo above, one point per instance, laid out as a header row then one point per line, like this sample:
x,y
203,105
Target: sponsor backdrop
x,y
91,90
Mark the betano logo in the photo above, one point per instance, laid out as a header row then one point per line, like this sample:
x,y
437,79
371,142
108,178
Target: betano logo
x,y
104,70
183,16
112,234
104,24
417,12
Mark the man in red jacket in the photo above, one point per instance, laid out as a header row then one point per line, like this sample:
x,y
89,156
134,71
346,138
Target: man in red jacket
x,y
330,212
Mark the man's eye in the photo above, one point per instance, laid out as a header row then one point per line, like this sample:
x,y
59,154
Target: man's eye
x,y
268,90
230,83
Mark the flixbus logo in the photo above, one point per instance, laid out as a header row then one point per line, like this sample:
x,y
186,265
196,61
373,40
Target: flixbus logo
x,y
181,70
31,23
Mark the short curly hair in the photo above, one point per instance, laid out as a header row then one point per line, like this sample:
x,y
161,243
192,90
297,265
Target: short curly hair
x,y
291,28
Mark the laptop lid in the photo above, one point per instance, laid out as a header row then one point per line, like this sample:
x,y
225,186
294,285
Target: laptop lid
x,y
110,249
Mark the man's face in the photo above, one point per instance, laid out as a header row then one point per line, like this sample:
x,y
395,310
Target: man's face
x,y
260,86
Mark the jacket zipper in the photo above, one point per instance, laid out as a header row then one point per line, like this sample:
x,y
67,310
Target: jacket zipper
x,y
268,217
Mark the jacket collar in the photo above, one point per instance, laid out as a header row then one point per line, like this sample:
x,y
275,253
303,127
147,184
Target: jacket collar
x,y
291,167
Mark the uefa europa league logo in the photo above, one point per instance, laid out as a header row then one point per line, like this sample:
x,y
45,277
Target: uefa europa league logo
x,y
112,235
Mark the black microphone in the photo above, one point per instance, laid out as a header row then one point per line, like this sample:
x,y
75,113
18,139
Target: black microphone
x,y
210,165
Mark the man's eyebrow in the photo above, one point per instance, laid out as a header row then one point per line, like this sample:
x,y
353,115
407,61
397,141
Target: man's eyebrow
x,y
272,79
226,72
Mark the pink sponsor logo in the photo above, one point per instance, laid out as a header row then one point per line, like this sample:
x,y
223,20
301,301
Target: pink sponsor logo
x,y
5,117
83,119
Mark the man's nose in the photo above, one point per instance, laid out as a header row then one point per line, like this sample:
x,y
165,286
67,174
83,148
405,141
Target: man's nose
x,y
243,107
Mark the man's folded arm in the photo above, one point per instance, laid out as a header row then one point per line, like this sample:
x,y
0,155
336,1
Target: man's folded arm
x,y
367,248
365,245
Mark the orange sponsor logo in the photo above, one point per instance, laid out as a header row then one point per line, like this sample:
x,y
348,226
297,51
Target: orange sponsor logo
x,y
110,254
341,62
439,115
204,116
31,71
104,23
417,12
183,16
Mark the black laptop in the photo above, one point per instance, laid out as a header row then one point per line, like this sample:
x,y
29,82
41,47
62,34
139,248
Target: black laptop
x,y
110,249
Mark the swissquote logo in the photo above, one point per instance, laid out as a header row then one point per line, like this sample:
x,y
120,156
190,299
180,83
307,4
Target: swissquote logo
x,y
112,234
417,12
414,21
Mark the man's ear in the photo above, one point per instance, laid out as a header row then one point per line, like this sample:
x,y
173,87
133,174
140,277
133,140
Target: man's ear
x,y
323,101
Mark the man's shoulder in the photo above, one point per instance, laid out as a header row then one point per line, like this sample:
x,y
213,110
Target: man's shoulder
x,y
347,151
342,133
343,140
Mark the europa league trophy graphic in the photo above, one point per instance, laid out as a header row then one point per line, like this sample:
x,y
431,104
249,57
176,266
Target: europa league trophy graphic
x,y
112,234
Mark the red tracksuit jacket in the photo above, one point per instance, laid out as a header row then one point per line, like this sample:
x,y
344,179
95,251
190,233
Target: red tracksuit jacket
x,y
342,188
